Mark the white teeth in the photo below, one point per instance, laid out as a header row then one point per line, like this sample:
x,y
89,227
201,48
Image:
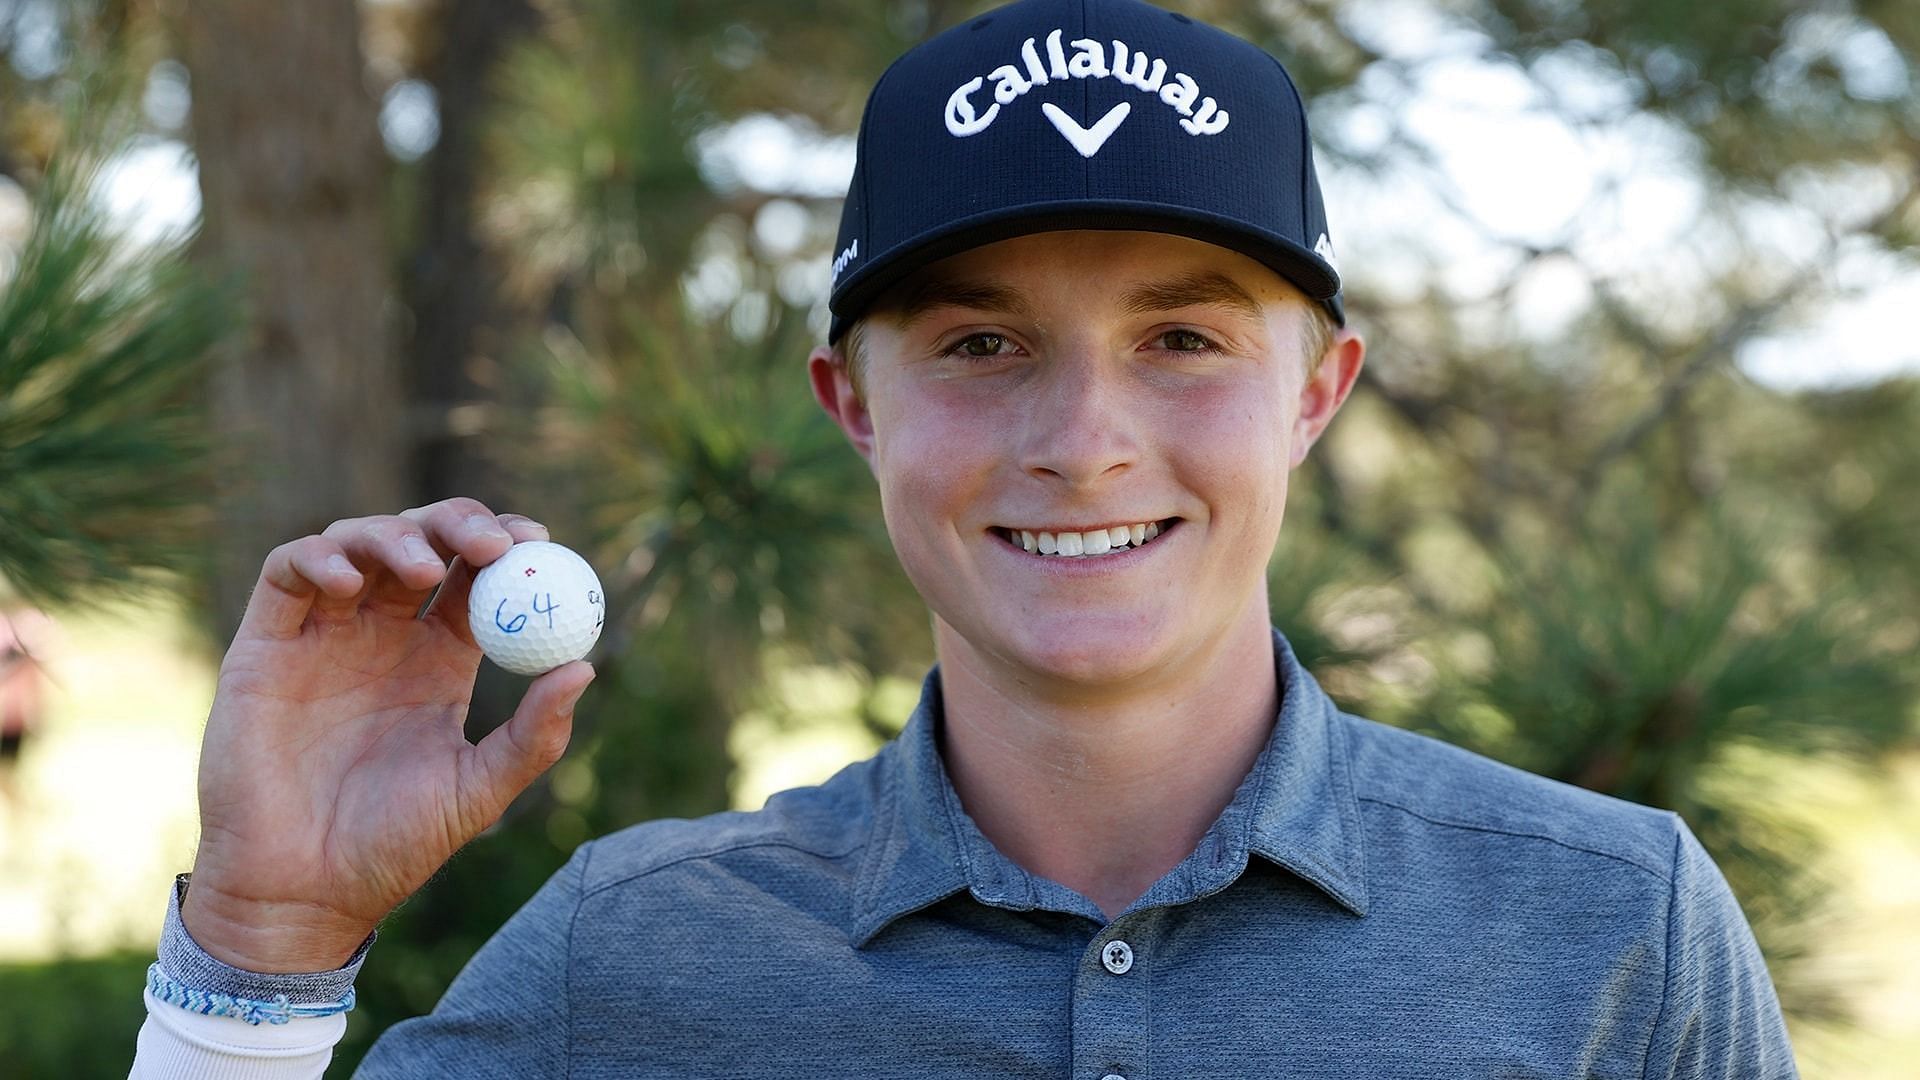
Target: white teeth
x,y
1091,542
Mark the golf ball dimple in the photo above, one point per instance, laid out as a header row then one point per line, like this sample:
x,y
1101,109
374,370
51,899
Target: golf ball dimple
x,y
536,607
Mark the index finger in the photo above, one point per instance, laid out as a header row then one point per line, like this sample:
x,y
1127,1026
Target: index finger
x,y
293,577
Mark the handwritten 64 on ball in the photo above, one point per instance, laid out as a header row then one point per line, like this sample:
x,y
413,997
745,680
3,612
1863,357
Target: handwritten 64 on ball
x,y
536,607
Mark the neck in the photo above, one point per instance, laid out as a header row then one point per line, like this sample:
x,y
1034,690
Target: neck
x,y
1105,791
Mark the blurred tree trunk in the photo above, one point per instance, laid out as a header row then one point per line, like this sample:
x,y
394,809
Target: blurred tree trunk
x,y
292,184
461,326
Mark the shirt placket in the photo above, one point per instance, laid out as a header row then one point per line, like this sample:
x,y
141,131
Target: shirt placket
x,y
1112,998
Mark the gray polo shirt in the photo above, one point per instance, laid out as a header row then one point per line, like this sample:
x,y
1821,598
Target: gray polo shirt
x,y
1372,905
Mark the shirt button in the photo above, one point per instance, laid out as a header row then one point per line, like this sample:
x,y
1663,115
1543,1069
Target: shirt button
x,y
1118,956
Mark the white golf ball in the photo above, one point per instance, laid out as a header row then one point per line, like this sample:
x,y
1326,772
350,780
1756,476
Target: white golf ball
x,y
536,607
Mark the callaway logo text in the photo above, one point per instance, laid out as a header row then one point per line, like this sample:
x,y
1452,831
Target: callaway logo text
x,y
1090,60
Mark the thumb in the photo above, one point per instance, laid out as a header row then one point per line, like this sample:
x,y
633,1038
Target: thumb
x,y
512,755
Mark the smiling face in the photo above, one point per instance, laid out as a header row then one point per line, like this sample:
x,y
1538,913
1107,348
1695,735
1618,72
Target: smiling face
x,y
1083,441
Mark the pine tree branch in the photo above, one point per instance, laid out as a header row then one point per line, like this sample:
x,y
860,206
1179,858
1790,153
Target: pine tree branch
x,y
101,449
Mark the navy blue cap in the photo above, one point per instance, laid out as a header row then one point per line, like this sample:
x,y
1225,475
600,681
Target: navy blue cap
x,y
1081,114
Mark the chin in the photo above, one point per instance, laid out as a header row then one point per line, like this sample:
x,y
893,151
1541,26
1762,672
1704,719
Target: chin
x,y
1085,650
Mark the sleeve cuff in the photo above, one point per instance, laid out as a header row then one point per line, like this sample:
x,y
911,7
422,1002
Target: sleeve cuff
x,y
182,959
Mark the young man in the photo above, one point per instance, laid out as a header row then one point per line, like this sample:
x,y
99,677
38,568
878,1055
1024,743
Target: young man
x,y
1086,322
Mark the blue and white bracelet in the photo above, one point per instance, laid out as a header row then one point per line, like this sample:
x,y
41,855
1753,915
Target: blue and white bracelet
x,y
207,1003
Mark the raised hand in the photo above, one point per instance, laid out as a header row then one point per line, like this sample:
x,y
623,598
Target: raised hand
x,y
335,775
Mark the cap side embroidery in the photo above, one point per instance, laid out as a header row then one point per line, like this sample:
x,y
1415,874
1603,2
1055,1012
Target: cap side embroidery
x,y
1323,247
841,261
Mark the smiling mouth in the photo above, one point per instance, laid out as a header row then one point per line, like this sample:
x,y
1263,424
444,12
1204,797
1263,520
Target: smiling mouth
x,y
1084,544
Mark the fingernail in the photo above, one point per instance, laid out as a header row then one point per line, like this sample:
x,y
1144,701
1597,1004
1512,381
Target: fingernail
x,y
485,526
418,549
339,564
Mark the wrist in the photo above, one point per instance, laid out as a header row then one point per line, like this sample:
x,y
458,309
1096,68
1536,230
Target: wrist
x,y
280,1010
269,937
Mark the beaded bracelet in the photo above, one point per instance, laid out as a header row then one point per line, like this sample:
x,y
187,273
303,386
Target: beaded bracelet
x,y
207,1003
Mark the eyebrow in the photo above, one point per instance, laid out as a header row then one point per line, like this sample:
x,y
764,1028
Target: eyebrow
x,y
919,297
1199,288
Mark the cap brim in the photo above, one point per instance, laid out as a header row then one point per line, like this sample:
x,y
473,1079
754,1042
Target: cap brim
x,y
1299,265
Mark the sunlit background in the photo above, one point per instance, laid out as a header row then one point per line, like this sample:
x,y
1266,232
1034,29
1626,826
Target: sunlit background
x,y
1627,496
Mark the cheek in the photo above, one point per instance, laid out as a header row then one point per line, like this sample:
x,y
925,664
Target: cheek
x,y
929,459
1234,445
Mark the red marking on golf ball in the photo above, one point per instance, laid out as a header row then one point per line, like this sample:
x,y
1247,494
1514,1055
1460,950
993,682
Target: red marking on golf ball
x,y
529,571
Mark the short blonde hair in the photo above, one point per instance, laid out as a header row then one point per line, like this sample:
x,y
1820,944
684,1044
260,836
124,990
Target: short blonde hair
x,y
1316,335
851,354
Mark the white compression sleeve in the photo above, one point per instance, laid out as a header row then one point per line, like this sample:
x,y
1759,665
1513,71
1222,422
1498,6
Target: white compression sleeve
x,y
179,1045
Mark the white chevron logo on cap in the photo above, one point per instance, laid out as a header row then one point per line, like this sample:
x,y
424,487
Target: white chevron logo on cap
x,y
1087,140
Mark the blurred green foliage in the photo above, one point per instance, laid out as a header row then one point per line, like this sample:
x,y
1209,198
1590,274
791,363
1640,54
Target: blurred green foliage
x,y
74,1018
103,448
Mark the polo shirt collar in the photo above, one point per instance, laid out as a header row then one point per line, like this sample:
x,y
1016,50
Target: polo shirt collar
x,y
1304,815
1295,809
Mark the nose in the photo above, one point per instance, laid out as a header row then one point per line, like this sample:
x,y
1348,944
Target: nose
x,y
1079,425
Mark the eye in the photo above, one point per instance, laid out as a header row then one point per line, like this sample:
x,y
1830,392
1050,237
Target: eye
x,y
979,345
1185,341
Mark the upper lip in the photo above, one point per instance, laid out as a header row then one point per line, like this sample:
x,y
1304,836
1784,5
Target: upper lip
x,y
1116,523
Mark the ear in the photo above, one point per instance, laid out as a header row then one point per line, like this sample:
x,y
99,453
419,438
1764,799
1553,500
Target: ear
x,y
833,389
1322,395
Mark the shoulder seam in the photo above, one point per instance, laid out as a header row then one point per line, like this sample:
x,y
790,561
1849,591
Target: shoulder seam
x,y
566,996
1666,980
1475,827
708,853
